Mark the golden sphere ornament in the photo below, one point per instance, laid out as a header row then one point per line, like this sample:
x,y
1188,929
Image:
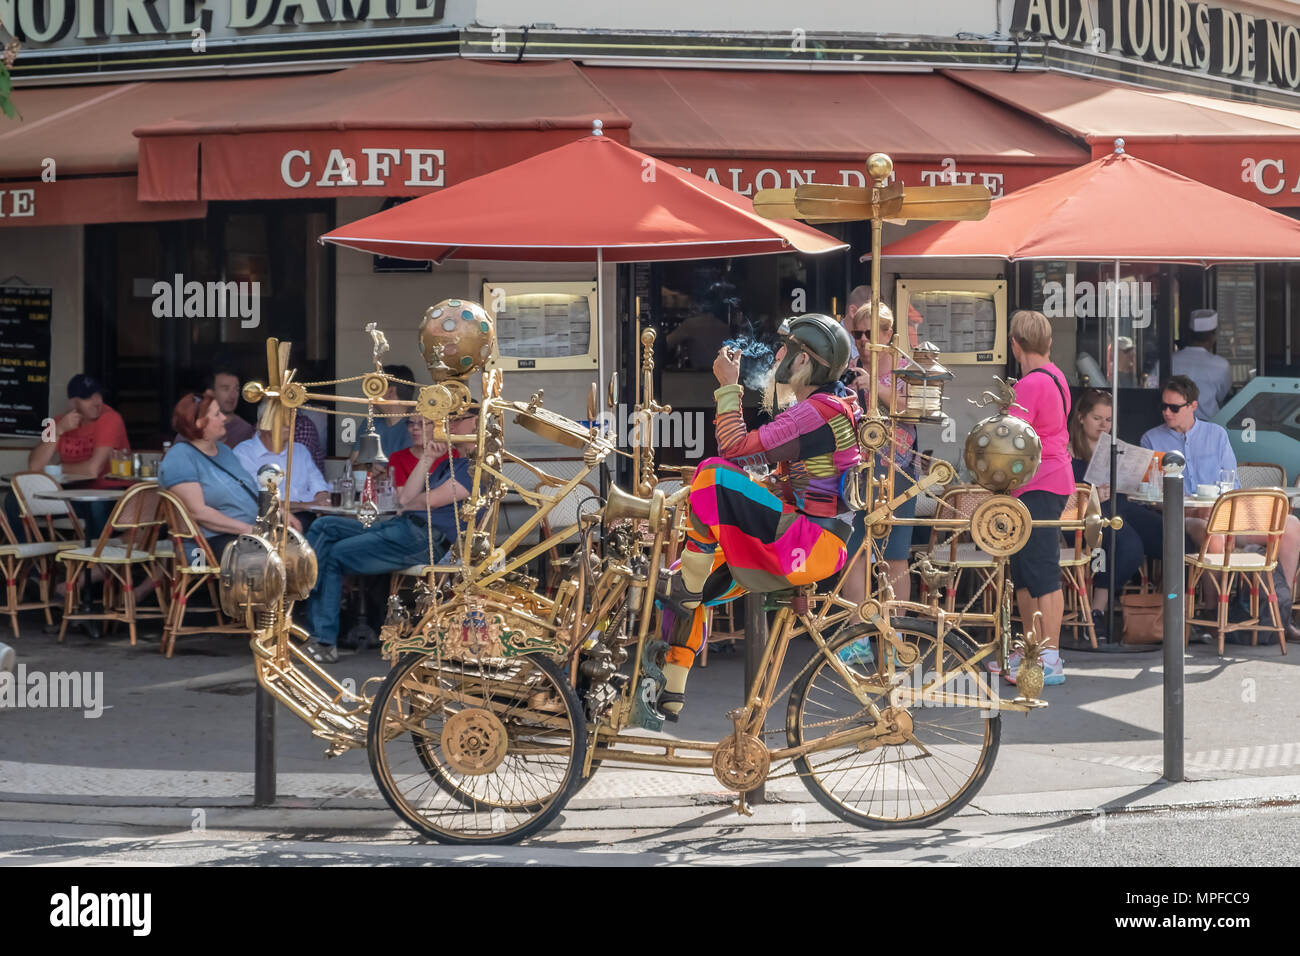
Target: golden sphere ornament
x,y
879,166
456,338
1002,451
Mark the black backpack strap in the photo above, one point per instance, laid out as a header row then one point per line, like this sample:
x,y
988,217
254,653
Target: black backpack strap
x,y
1065,405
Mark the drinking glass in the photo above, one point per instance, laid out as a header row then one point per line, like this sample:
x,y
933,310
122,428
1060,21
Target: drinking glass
x,y
1227,479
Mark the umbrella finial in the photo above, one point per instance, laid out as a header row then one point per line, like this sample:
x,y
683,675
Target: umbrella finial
x,y
1119,146
597,128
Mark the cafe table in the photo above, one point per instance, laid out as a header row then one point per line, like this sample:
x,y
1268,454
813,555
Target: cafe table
x,y
346,512
83,494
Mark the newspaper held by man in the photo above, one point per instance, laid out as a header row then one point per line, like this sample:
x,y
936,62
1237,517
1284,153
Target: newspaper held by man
x,y
1131,467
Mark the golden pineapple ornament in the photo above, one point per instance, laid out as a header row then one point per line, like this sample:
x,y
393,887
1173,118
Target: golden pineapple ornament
x,y
1029,678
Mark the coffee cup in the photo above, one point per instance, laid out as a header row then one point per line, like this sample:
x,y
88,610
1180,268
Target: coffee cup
x,y
55,472
1207,491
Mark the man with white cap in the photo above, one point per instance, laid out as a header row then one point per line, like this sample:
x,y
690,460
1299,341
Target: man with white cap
x,y
1198,362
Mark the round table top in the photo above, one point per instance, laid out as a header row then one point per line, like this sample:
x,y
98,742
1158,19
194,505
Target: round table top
x,y
346,512
83,494
1198,502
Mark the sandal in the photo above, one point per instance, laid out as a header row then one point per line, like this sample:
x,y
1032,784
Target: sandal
x,y
322,653
669,697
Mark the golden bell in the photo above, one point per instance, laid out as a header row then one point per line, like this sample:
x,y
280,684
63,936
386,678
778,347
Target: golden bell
x,y
371,451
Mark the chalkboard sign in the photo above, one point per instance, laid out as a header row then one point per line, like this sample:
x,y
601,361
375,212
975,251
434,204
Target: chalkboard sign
x,y
24,359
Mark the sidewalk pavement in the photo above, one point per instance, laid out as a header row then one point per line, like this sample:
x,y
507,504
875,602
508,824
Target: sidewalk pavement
x,y
178,734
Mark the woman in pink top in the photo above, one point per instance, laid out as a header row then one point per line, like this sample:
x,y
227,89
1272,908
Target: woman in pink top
x,y
1043,400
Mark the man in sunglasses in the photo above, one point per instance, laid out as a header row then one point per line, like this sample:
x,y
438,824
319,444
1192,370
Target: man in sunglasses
x,y
1208,450
1204,444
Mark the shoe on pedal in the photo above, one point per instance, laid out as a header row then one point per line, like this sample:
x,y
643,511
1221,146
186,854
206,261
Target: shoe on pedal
x,y
322,653
857,652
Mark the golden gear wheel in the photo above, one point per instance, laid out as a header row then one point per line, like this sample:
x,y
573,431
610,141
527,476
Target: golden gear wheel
x,y
1000,526
374,386
943,472
1093,522
293,395
872,434
460,395
474,741
870,609
741,764
434,402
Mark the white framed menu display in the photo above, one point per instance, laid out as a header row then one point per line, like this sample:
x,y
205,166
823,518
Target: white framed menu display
x,y
543,325
965,318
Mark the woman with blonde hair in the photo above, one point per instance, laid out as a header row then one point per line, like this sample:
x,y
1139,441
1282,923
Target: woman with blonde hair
x,y
1043,400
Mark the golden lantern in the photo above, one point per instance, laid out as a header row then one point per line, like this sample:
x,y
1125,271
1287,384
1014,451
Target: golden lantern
x,y
923,380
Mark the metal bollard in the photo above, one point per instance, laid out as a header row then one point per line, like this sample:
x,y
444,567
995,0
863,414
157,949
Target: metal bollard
x,y
1174,616
264,749
755,643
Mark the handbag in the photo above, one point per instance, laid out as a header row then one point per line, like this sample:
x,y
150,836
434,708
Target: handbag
x,y
1144,618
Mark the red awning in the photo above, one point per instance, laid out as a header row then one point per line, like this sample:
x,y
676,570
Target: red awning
x,y
1249,150
760,129
378,129
72,159
83,201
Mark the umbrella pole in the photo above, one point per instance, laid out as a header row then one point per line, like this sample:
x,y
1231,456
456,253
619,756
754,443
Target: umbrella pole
x,y
1114,450
600,335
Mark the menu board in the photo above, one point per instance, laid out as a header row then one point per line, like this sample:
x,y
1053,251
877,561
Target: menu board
x,y
544,325
24,359
957,321
1235,302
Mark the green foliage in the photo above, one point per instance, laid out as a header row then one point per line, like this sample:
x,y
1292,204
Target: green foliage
x,y
6,87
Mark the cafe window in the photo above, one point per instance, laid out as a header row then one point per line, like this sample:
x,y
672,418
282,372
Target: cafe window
x,y
167,301
1084,304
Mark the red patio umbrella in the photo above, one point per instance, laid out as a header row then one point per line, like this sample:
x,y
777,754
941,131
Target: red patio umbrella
x,y
1116,208
593,200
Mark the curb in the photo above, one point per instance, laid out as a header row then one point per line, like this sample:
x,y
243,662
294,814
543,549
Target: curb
x,y
356,814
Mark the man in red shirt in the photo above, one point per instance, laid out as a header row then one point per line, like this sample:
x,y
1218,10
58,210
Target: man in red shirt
x,y
87,433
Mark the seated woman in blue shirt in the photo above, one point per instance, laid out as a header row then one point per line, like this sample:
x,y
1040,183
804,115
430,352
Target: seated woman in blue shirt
x,y
206,475
1142,534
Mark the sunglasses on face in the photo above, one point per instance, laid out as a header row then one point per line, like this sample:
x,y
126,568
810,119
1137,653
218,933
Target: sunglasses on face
x,y
1172,407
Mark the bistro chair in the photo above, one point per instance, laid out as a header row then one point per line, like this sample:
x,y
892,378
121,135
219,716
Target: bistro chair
x,y
46,519
1076,567
958,553
127,543
188,576
1257,512
17,561
564,513
1261,474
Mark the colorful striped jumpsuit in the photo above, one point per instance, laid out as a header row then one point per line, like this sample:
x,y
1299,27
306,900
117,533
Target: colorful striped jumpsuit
x,y
742,536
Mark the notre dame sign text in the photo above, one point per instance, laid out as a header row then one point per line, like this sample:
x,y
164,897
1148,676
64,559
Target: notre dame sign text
x,y
1176,33
53,21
